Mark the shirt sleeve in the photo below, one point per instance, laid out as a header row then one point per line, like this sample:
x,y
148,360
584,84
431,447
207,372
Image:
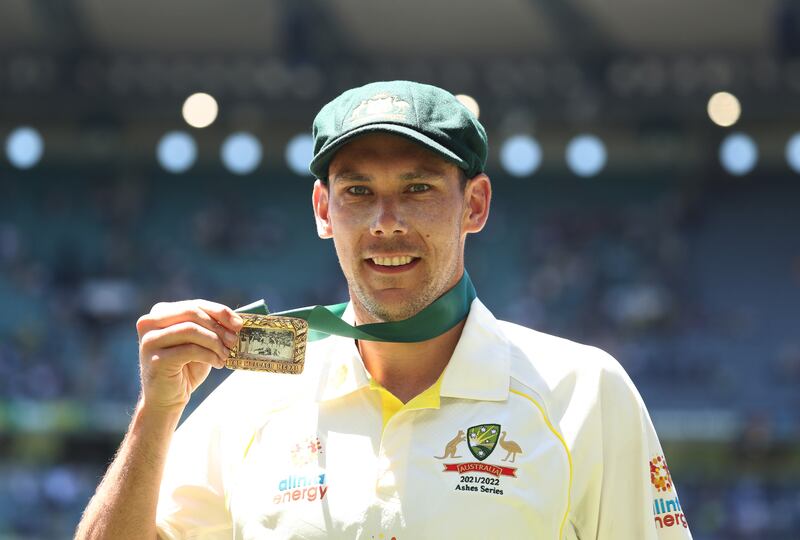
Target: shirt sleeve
x,y
192,499
624,487
637,499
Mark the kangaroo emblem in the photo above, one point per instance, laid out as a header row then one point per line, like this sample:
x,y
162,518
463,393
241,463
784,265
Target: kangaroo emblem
x,y
450,449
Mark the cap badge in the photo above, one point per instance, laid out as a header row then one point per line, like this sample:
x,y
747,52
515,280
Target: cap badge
x,y
379,107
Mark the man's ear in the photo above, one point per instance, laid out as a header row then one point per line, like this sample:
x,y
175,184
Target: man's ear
x,y
319,199
478,198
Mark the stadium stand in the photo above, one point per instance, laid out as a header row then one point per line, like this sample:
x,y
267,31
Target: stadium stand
x,y
694,289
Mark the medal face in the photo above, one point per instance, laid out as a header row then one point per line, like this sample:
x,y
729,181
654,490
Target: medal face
x,y
270,343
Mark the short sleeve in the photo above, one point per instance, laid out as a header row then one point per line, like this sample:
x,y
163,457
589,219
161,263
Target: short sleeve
x,y
192,498
638,499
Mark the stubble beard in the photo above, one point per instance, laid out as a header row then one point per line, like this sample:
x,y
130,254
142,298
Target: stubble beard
x,y
432,287
415,302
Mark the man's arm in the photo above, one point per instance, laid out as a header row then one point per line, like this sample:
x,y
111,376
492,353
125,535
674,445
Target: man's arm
x,y
124,505
637,496
178,344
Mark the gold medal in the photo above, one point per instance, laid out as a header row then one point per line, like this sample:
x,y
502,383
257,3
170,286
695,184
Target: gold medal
x,y
270,343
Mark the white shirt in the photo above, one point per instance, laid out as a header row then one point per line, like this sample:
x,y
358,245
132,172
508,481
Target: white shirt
x,y
525,435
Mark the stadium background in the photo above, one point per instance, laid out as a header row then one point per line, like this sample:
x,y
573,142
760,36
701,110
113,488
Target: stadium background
x,y
684,266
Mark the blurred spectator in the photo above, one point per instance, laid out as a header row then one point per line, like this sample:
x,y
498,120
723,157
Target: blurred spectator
x,y
618,277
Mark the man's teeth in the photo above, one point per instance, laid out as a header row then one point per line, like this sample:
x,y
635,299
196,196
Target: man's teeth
x,y
392,261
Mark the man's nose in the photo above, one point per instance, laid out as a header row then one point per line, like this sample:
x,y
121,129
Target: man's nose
x,y
388,220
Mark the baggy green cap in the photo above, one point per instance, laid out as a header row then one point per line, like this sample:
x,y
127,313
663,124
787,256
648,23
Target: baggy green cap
x,y
423,113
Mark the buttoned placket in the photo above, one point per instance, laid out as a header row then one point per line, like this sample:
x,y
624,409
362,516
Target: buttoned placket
x,y
397,434
467,376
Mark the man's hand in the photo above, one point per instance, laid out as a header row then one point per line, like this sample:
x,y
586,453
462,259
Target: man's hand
x,y
179,343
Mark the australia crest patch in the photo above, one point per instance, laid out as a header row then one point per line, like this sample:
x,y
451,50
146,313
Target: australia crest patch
x,y
482,440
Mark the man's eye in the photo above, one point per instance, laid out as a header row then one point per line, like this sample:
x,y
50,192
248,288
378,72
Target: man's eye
x,y
357,190
418,188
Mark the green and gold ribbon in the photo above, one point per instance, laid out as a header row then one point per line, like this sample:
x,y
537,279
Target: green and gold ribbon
x,y
436,319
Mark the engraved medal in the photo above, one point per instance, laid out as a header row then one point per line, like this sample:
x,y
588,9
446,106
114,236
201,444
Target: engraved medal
x,y
270,343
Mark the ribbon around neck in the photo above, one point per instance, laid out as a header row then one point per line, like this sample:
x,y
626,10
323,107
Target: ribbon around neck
x,y
436,319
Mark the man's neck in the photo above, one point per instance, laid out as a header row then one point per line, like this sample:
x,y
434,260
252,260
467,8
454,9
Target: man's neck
x,y
407,369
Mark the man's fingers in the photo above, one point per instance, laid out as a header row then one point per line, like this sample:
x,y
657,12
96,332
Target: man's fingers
x,y
223,314
168,314
185,333
180,355
219,312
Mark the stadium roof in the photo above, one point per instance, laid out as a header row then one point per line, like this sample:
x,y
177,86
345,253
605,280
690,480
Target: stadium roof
x,y
467,28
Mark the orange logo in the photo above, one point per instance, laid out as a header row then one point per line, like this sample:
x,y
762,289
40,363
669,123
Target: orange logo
x,y
306,451
659,474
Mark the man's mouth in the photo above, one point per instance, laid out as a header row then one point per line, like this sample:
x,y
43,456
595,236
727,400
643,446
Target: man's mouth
x,y
398,263
392,261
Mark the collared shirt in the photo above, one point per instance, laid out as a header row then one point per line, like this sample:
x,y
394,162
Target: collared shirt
x,y
525,435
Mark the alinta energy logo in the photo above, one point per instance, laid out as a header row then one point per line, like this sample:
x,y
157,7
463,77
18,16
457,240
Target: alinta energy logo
x,y
306,451
659,474
303,486
667,511
481,441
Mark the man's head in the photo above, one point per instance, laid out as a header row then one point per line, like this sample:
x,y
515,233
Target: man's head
x,y
397,203
426,114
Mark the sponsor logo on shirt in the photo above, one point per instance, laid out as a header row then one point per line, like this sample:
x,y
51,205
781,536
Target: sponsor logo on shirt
x,y
481,441
303,484
667,510
306,451
659,474
301,488
668,513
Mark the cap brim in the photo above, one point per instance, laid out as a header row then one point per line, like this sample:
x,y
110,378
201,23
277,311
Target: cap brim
x,y
319,165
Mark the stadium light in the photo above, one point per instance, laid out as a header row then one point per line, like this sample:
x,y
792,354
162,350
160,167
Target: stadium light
x,y
793,152
299,152
586,155
241,153
738,154
724,109
520,155
176,151
200,110
24,147
470,103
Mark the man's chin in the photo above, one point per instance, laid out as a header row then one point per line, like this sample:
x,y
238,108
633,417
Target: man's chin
x,y
392,305
391,313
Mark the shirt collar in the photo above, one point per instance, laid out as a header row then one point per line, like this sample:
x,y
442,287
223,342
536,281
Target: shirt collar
x,y
479,368
343,371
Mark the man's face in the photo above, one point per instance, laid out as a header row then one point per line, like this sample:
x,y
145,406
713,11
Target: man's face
x,y
398,217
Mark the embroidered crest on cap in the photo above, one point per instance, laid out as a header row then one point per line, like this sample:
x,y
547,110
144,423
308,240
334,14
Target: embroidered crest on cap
x,y
381,106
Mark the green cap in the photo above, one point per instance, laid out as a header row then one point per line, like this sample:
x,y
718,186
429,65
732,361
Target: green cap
x,y
423,113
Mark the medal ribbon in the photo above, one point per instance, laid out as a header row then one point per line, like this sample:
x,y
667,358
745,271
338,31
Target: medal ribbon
x,y
436,319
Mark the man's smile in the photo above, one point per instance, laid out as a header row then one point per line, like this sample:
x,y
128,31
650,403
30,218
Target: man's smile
x,y
392,264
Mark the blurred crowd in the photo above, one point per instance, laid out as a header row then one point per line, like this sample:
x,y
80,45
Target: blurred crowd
x,y
78,266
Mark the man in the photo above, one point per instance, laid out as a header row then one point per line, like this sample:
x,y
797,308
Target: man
x,y
461,426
